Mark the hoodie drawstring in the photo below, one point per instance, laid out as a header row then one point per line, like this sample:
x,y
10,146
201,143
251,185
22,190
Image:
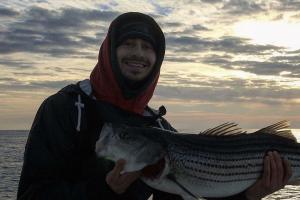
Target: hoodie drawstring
x,y
161,111
159,123
79,106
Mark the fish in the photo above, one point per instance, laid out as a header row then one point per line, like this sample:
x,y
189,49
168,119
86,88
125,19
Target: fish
x,y
218,162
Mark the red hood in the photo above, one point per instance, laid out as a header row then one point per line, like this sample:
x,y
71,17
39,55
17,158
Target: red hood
x,y
106,88
106,82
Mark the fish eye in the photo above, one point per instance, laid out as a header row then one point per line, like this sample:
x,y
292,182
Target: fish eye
x,y
124,135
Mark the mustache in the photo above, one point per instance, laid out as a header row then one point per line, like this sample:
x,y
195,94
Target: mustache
x,y
137,58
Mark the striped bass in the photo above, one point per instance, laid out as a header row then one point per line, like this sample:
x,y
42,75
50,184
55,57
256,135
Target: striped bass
x,y
218,162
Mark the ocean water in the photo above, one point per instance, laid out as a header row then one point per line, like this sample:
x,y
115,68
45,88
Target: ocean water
x,y
12,144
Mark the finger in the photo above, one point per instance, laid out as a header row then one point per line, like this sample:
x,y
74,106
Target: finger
x,y
273,175
119,189
115,172
129,177
288,171
266,178
108,178
125,180
280,169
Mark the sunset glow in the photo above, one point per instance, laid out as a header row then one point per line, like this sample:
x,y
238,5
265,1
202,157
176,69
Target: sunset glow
x,y
278,33
225,60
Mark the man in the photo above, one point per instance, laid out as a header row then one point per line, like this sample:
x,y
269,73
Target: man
x,y
59,160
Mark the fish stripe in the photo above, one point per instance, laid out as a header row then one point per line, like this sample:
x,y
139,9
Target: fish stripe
x,y
240,150
233,157
232,164
223,173
212,142
226,181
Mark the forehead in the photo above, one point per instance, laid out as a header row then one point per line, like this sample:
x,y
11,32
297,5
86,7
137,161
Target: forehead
x,y
137,40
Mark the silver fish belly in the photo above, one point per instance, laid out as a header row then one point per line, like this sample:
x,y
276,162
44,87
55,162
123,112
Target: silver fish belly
x,y
218,162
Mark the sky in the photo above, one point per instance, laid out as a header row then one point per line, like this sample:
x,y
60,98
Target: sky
x,y
226,60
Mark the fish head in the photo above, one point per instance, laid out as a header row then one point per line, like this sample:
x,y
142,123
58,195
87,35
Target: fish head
x,y
122,142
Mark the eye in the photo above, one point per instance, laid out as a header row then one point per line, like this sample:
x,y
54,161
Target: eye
x,y
124,135
147,46
127,43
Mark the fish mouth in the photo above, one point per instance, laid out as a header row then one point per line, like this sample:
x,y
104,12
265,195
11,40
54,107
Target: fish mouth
x,y
155,170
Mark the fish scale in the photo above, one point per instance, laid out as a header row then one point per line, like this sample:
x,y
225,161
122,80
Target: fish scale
x,y
218,162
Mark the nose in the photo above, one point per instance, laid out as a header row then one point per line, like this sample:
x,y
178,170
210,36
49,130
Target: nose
x,y
138,49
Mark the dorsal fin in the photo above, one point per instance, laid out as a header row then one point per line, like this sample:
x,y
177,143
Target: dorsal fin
x,y
226,129
281,129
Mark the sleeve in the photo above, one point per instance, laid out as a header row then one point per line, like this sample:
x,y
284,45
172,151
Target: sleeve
x,y
51,168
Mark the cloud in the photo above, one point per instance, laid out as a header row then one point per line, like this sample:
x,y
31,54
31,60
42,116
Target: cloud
x,y
58,33
273,66
190,31
172,25
52,84
295,59
225,44
230,91
287,5
162,10
194,50
20,64
176,59
6,12
181,29
108,5
243,7
68,17
241,45
32,74
212,1
188,2
199,27
297,16
5,79
16,85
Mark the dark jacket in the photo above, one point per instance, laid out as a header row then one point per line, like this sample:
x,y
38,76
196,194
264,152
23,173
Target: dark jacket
x,y
59,159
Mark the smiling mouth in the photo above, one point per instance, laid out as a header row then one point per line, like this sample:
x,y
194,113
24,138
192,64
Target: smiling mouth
x,y
135,64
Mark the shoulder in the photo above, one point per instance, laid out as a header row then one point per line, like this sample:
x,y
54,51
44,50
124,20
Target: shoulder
x,y
58,103
63,105
67,96
57,106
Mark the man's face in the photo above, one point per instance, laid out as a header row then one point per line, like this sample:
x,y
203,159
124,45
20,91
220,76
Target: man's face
x,y
136,58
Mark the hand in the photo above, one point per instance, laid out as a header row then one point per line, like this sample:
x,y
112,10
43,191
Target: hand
x,y
120,182
275,176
